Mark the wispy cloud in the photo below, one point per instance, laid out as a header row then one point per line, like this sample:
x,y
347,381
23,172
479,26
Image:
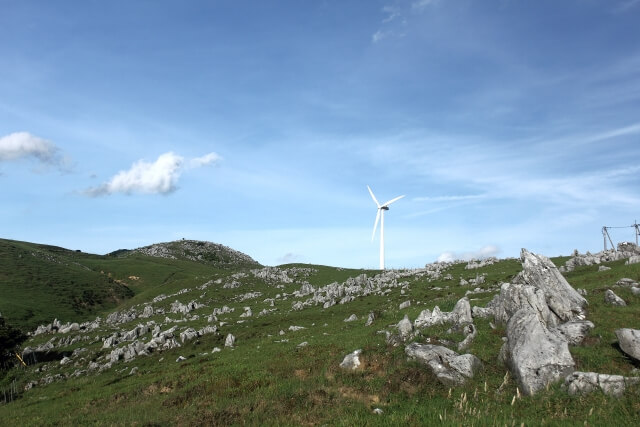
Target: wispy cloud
x,y
626,5
206,160
421,4
159,177
484,252
23,145
449,198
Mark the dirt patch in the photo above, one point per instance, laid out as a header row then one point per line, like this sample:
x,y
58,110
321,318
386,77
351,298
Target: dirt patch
x,y
301,373
353,394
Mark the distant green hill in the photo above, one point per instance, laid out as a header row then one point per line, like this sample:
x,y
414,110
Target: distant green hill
x,y
41,282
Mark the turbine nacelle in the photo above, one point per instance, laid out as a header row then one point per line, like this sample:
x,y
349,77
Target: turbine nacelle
x,y
380,218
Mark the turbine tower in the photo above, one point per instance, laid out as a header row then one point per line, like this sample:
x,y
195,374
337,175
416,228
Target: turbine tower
x,y
380,217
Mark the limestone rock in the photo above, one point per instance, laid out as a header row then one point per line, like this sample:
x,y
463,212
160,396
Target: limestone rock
x,y
535,354
461,313
604,268
370,319
405,328
188,335
351,318
482,312
449,367
611,298
562,299
514,296
351,361
587,382
230,341
633,260
470,331
629,340
576,331
404,305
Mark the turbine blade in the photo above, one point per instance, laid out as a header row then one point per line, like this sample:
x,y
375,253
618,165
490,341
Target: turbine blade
x,y
392,200
373,197
375,225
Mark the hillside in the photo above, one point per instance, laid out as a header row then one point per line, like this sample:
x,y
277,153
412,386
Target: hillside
x,y
212,254
199,345
41,282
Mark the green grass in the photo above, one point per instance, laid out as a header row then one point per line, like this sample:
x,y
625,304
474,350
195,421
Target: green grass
x,y
266,380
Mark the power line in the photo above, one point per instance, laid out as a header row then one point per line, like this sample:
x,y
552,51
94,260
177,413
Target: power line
x,y
606,236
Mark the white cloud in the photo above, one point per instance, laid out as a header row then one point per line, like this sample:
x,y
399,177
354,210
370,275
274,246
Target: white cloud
x,y
484,252
159,177
207,159
22,145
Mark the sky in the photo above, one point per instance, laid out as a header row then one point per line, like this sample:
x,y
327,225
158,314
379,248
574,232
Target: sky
x,y
259,124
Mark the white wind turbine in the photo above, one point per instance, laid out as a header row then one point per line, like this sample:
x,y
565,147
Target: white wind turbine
x,y
380,217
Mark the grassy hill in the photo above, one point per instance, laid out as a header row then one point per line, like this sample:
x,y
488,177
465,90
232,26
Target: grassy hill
x,y
276,375
41,282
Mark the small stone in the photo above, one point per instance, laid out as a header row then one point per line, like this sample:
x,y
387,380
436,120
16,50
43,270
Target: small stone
x,y
351,318
230,341
351,361
405,304
405,328
370,319
134,370
611,298
181,358
377,411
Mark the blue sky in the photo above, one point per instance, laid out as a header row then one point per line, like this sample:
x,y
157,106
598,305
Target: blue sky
x,y
258,124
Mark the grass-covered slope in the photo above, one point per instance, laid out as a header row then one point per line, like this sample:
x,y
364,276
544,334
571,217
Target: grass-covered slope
x,y
272,378
39,282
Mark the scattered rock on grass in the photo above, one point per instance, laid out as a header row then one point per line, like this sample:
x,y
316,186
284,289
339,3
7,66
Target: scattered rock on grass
x,y
230,341
587,382
450,368
351,361
611,298
370,319
629,340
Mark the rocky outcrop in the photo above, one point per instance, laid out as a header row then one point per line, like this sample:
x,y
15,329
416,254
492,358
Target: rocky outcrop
x,y
575,332
535,354
516,296
460,315
562,299
449,367
629,341
625,250
588,382
199,251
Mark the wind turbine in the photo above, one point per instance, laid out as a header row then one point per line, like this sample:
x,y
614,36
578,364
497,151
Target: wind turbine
x,y
380,217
